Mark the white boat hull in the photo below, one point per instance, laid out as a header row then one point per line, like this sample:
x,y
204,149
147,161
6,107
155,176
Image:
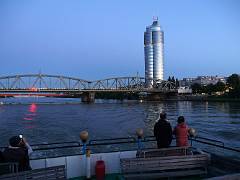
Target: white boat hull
x,y
76,165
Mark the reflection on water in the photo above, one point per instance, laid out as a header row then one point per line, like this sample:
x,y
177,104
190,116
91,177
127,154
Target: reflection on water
x,y
30,117
44,120
152,114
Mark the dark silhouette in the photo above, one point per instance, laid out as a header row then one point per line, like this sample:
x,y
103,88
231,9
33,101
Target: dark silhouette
x,y
233,83
18,151
163,132
1,157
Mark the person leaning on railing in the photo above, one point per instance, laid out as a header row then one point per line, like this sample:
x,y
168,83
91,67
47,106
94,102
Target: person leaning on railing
x,y
18,151
163,131
181,131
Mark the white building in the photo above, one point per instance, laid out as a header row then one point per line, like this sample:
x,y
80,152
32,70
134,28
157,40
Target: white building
x,y
205,80
184,90
202,80
153,50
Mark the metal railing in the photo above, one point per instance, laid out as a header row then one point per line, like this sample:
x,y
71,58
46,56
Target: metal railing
x,y
125,140
10,167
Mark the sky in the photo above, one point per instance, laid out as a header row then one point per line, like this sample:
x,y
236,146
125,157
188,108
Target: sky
x,y
101,39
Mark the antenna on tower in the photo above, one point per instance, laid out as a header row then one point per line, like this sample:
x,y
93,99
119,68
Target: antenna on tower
x,y
155,18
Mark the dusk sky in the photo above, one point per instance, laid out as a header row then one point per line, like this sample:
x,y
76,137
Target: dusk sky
x,y
100,39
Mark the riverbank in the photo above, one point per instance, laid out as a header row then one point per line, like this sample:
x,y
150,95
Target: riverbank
x,y
205,98
192,97
123,97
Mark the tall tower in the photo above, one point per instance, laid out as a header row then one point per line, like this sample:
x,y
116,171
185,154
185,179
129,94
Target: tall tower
x,y
153,51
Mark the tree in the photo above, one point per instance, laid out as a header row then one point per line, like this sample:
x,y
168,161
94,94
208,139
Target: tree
x,y
220,86
210,88
233,81
177,82
169,78
235,93
173,79
196,88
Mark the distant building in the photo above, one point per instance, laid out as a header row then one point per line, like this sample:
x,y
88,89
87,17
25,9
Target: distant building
x,y
186,82
203,80
153,51
184,90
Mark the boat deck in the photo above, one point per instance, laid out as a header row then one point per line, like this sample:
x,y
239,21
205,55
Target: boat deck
x,y
75,164
219,167
114,176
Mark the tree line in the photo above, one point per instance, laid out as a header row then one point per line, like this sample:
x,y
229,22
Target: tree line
x,y
175,81
230,89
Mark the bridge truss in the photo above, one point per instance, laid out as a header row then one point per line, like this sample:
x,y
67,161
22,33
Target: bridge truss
x,y
55,83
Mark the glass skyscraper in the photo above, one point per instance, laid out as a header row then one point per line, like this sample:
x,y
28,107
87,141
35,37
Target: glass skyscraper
x,y
153,51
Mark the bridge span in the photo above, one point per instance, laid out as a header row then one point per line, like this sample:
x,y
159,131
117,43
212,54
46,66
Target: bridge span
x,y
43,83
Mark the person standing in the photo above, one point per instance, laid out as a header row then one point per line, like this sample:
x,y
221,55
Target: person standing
x,y
163,131
18,151
181,132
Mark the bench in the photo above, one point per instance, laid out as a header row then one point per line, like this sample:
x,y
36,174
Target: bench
x,y
55,172
171,151
171,162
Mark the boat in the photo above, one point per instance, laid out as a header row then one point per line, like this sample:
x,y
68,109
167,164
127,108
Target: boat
x,y
71,161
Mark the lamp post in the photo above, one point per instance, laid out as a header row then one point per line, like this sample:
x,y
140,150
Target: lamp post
x,y
84,138
139,133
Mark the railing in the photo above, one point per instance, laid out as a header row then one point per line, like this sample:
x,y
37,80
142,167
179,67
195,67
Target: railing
x,y
126,140
11,167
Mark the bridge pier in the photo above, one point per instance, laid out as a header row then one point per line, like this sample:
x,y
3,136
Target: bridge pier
x,y
88,97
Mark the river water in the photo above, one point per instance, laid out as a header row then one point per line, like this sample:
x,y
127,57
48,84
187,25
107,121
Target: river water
x,y
46,120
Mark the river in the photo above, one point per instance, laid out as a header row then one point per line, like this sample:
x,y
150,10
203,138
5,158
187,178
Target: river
x,y
46,120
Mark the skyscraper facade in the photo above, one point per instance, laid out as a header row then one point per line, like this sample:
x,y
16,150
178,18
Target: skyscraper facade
x,y
153,51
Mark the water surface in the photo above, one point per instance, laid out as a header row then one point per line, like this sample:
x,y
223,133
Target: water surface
x,y
46,120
